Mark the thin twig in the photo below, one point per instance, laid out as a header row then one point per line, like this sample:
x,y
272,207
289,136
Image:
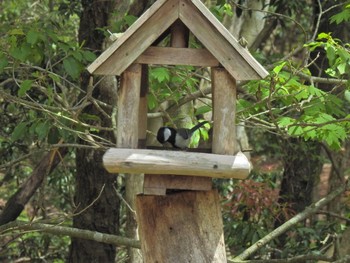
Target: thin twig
x,y
91,204
123,200
70,231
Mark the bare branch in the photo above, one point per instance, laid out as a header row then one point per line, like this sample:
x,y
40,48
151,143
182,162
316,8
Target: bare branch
x,y
69,231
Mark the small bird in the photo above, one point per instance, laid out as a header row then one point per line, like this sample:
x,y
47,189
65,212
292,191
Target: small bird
x,y
179,138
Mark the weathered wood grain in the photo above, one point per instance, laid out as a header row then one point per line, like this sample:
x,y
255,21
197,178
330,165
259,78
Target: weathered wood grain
x,y
178,56
224,111
117,160
218,44
158,184
136,40
199,20
143,108
124,37
260,70
128,107
127,136
181,227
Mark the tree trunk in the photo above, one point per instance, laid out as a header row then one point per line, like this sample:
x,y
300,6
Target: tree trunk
x,y
95,197
97,208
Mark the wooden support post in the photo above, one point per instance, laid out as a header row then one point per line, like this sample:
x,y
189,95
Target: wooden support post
x,y
127,137
143,107
128,107
179,34
224,111
182,227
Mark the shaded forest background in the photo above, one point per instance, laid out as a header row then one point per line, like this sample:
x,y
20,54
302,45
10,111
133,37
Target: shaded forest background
x,y
56,122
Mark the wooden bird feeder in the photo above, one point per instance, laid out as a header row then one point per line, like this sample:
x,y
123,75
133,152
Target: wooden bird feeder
x,y
185,226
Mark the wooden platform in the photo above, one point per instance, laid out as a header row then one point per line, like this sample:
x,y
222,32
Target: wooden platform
x,y
134,161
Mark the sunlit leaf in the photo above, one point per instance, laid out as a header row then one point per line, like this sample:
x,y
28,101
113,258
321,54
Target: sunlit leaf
x,y
285,121
16,31
347,95
161,74
278,68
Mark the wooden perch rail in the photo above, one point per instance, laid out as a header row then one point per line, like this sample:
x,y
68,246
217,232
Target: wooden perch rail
x,y
133,161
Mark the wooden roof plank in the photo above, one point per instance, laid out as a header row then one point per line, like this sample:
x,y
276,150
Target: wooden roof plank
x,y
218,40
132,45
230,38
178,56
136,39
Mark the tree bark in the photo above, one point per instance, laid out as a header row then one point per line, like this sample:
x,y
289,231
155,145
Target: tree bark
x,y
95,196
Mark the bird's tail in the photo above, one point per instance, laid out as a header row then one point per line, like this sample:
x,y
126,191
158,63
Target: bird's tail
x,y
198,126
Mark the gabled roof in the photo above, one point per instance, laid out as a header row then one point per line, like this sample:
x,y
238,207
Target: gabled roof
x,y
199,20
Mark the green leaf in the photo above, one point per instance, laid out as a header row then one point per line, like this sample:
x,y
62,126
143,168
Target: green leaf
x,y
77,55
285,121
161,74
295,131
202,110
323,36
310,133
343,16
89,56
42,129
129,19
278,68
151,101
330,54
16,31
54,77
72,67
347,95
24,87
33,36
341,68
19,131
89,117
3,62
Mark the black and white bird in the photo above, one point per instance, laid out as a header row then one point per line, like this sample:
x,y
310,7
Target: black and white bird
x,y
179,138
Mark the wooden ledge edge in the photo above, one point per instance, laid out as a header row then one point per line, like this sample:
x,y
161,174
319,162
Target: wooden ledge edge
x,y
135,161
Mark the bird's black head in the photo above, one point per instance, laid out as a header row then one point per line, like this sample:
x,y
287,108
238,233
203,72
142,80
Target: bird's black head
x,y
165,134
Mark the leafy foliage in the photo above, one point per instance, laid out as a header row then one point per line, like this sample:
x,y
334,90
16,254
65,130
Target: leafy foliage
x,y
251,208
297,109
343,16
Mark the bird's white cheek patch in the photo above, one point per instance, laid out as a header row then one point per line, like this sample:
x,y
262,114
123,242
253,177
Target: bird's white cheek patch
x,y
167,133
